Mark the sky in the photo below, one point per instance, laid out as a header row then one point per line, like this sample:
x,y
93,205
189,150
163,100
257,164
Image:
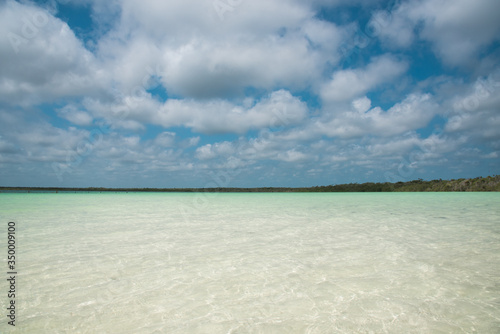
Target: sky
x,y
240,93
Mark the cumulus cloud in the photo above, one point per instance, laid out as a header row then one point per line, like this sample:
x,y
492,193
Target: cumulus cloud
x,y
277,109
210,151
347,84
75,116
292,156
173,83
246,151
362,105
206,70
171,21
165,139
31,139
457,29
411,114
202,56
475,112
42,60
394,29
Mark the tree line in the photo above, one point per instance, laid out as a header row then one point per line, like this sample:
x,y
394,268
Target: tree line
x,y
490,183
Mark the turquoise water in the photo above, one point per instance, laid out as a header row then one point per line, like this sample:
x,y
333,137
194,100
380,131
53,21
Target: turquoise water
x,y
254,263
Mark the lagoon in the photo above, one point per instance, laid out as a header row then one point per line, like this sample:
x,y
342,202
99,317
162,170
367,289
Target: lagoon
x,y
255,263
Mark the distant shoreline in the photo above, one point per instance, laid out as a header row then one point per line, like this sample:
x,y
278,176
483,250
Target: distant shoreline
x,y
485,184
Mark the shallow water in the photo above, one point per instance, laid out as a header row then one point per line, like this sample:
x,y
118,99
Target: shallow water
x,y
255,263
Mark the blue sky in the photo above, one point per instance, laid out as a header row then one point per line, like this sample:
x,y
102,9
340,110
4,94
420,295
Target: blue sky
x,y
239,93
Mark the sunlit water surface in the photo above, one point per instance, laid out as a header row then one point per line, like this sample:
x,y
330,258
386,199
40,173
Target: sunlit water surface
x,y
255,263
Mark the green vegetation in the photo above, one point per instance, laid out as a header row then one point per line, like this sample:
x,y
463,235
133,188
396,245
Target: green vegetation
x,y
490,183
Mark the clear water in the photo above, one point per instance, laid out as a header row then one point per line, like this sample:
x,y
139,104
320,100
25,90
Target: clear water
x,y
255,263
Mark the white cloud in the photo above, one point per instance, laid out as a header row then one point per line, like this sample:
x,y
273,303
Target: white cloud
x,y
475,111
7,148
128,112
175,20
393,147
457,29
42,60
347,84
324,35
202,56
75,116
481,124
266,146
362,105
165,139
280,108
394,29
292,156
481,95
210,151
254,68
206,70
131,63
34,140
413,113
